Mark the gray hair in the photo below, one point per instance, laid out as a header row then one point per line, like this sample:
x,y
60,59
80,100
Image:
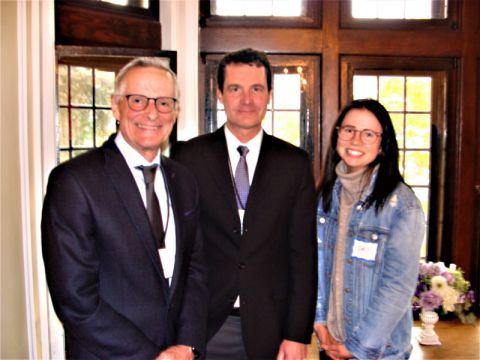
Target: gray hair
x,y
141,62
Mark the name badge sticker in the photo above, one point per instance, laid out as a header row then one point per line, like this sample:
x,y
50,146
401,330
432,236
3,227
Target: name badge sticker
x,y
364,250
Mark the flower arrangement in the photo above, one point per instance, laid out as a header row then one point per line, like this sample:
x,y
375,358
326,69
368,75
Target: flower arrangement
x,y
444,290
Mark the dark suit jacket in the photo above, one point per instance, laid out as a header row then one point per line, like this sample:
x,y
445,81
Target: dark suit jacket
x,y
273,264
102,267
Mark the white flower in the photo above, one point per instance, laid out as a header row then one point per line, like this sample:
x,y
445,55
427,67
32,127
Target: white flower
x,y
450,298
439,284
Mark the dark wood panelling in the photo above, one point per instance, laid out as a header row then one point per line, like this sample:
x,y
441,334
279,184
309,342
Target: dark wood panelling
x,y
79,24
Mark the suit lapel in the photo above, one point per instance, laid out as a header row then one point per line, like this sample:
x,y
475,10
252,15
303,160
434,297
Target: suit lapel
x,y
126,189
218,162
262,178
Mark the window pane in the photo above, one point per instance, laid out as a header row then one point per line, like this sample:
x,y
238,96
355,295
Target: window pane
x,y
81,85
287,91
399,9
418,131
62,86
419,93
82,128
221,118
417,167
142,3
423,194
365,87
287,126
398,125
104,81
267,123
63,156
256,7
105,126
63,138
393,9
391,92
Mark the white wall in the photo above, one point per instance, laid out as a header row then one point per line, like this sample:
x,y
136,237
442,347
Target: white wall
x,y
179,21
13,327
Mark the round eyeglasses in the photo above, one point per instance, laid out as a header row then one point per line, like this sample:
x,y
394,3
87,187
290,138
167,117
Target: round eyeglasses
x,y
163,105
367,136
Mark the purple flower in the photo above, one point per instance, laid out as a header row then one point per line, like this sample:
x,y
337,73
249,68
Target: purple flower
x,y
430,300
449,276
421,287
429,270
471,296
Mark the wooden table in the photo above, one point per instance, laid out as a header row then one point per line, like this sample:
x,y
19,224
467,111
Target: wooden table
x,y
459,342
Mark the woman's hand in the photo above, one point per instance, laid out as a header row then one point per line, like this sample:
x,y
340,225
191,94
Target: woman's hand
x,y
334,349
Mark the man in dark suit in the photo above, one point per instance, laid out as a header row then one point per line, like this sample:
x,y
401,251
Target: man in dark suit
x,y
122,286
261,248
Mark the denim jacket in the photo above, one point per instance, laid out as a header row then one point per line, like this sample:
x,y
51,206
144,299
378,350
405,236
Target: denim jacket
x,y
380,272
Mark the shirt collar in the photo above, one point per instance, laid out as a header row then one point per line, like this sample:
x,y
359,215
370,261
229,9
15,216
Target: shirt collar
x,y
132,156
233,143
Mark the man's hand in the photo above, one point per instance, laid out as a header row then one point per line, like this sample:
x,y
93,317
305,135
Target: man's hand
x,y
292,350
177,352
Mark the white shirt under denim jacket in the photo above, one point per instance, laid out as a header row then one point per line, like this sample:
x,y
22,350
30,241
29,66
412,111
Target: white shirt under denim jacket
x,y
380,271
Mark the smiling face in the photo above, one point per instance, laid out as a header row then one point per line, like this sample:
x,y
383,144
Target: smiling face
x,y
245,97
145,130
355,153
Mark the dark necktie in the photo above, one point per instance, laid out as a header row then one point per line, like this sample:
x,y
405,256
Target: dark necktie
x,y
242,184
153,206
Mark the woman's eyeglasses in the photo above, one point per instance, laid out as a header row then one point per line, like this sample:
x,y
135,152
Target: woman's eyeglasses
x,y
367,136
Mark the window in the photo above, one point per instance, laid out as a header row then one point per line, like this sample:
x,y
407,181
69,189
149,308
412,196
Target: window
x,y
256,7
399,9
400,14
262,13
292,111
84,117
408,99
416,101
144,4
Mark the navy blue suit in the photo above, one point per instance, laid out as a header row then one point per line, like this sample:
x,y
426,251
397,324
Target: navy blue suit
x,y
103,269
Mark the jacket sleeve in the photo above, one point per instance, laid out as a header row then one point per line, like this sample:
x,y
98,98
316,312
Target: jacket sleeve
x,y
193,317
322,301
302,261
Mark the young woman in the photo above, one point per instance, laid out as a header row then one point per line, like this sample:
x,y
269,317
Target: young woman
x,y
370,227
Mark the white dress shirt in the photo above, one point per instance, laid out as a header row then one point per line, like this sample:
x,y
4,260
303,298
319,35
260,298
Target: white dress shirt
x,y
252,159
134,159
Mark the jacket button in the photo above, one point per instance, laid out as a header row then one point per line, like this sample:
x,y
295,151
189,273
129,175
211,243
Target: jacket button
x,y
374,236
321,220
241,266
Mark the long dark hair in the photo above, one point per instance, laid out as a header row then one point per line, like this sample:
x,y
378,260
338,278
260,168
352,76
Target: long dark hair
x,y
388,175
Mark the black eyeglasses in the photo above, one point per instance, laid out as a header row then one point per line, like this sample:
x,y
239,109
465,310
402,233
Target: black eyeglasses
x,y
163,105
366,135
